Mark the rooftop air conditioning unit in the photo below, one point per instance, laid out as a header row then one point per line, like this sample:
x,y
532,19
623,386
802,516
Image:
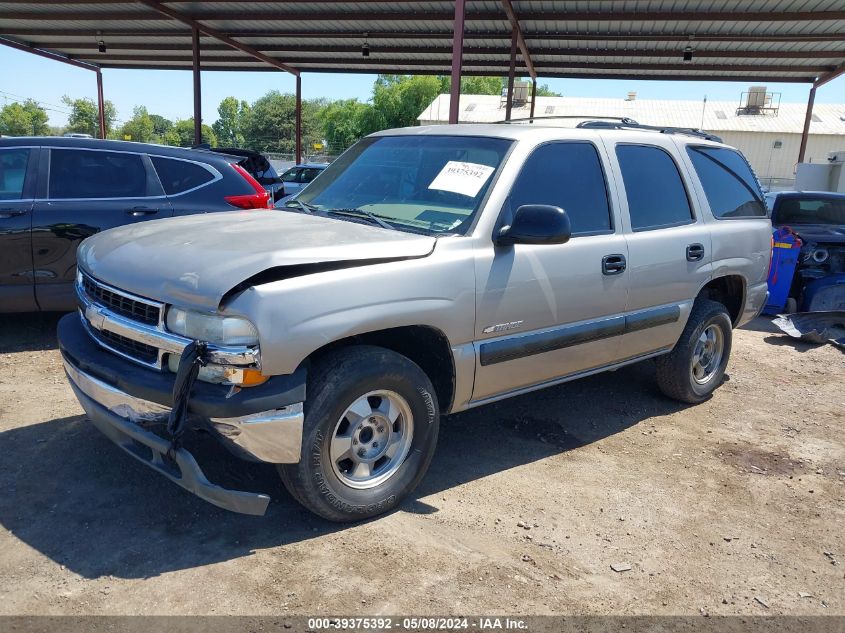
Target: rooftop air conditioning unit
x,y
756,98
520,92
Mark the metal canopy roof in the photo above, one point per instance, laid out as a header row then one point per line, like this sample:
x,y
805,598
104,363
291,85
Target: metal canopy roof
x,y
751,40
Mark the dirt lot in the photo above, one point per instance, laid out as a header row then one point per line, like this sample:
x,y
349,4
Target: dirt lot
x,y
731,507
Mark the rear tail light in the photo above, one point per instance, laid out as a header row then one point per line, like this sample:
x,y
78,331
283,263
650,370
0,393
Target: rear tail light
x,y
258,200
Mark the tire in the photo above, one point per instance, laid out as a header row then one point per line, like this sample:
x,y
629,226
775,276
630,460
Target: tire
x,y
678,375
329,479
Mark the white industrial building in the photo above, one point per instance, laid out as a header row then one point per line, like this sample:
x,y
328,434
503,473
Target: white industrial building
x,y
767,132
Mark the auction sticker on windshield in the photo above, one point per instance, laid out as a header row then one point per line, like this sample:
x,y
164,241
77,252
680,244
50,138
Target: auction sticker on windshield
x,y
464,178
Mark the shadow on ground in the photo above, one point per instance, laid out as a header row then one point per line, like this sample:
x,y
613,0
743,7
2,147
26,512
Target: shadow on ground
x,y
28,332
76,498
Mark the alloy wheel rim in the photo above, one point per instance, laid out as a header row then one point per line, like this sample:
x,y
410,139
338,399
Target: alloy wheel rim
x,y
707,356
371,439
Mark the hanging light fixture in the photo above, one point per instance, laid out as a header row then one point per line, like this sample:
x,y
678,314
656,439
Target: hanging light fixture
x,y
688,54
365,47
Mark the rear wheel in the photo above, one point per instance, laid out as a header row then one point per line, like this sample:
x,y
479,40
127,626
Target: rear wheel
x,y
696,366
371,423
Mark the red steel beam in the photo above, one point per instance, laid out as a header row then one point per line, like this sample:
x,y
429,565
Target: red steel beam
x,y
211,32
195,39
503,65
833,74
101,105
516,30
457,61
444,16
475,72
805,133
298,119
511,75
445,50
27,48
442,35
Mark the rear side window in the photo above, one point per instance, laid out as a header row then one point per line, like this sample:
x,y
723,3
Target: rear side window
x,y
290,175
656,194
178,176
728,182
569,176
96,174
309,174
12,172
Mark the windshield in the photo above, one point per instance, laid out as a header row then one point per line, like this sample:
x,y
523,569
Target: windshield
x,y
810,210
424,183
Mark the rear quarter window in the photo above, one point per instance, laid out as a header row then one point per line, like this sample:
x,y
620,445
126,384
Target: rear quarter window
x,y
729,184
179,176
657,197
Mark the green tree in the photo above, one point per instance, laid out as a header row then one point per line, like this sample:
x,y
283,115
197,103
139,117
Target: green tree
x,y
543,90
140,127
270,125
344,122
232,115
399,99
24,119
161,126
182,134
85,118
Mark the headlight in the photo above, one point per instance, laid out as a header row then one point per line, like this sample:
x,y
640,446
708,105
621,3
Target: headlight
x,y
212,328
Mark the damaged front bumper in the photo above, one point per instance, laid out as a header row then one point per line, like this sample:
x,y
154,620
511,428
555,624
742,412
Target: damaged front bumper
x,y
125,401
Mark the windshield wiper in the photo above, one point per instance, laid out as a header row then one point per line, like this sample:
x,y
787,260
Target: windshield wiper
x,y
360,213
308,208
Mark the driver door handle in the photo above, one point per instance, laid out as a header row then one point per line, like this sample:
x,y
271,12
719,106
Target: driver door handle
x,y
139,211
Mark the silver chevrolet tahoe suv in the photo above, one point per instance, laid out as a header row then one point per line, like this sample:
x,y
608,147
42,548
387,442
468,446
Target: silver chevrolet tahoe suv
x,y
426,271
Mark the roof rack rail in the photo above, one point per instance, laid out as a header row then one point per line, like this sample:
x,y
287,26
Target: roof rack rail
x,y
531,119
628,124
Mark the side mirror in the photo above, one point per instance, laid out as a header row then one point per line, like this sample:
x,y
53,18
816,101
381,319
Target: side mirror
x,y
536,224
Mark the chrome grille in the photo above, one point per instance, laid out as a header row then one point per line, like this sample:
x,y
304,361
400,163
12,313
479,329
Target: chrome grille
x,y
122,304
135,349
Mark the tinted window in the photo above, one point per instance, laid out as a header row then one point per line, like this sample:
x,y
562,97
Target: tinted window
x,y
309,174
12,173
569,176
656,194
810,210
177,176
728,182
95,174
290,175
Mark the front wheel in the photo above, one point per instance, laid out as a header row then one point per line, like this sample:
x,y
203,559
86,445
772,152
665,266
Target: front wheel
x,y
696,366
371,423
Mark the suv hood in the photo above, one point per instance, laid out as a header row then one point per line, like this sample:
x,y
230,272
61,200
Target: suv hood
x,y
820,233
194,261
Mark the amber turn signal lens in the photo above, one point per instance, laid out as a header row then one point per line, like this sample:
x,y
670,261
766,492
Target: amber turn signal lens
x,y
252,377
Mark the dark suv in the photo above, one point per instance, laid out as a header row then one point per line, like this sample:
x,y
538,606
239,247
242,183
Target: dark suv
x,y
55,192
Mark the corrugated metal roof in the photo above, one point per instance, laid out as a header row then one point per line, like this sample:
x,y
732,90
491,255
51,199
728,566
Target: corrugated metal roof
x,y
756,40
713,116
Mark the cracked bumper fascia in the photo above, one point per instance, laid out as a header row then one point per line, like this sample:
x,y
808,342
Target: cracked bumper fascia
x,y
269,436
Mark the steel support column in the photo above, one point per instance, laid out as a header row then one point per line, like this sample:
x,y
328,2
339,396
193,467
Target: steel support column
x,y
457,61
298,119
511,76
807,118
533,96
101,105
195,49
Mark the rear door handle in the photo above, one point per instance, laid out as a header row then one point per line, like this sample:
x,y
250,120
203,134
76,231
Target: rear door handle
x,y
11,213
695,252
613,264
139,211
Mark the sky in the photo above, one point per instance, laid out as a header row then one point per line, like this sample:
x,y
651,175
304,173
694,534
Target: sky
x,y
169,92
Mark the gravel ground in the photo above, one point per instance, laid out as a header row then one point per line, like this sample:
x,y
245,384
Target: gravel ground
x,y
734,506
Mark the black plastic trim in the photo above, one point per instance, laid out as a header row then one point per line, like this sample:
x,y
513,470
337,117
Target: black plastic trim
x,y
566,336
207,400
